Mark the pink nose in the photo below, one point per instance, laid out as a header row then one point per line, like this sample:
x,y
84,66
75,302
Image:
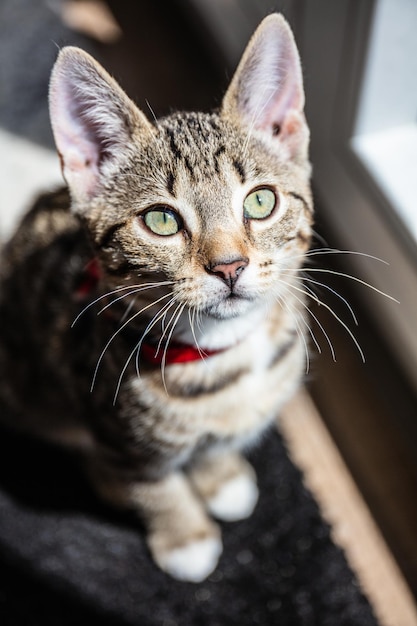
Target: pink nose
x,y
228,272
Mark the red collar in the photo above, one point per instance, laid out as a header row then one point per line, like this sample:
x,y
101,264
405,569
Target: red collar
x,y
174,353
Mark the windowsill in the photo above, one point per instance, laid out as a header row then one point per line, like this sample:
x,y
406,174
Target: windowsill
x,y
391,158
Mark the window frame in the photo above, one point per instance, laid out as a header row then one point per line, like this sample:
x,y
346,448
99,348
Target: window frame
x,y
334,38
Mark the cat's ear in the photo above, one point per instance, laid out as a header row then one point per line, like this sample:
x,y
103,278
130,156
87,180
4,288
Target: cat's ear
x,y
92,119
266,93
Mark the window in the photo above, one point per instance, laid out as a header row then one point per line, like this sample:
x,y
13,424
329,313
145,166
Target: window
x,y
362,123
385,136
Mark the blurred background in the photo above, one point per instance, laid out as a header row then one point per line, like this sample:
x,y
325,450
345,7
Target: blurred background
x,y
360,69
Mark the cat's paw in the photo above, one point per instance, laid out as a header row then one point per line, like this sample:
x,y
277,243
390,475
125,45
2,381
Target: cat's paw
x,y
235,499
192,562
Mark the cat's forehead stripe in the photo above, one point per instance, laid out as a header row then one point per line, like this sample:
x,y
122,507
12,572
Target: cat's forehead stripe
x,y
240,169
171,184
196,140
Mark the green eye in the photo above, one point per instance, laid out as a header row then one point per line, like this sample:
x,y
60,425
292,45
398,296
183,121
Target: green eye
x,y
259,204
162,222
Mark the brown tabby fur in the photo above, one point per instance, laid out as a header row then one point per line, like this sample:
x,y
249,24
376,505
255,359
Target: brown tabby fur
x,y
164,442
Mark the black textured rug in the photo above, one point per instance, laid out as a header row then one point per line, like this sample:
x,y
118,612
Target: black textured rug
x,y
67,559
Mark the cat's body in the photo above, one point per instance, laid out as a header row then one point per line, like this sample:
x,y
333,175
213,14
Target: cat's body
x,y
202,393
188,235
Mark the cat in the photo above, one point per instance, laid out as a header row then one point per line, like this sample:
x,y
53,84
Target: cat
x,y
149,311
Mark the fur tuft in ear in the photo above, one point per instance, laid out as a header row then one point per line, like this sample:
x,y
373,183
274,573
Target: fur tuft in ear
x,y
92,120
266,92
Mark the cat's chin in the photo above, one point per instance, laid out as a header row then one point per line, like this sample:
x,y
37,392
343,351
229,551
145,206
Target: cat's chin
x,y
229,308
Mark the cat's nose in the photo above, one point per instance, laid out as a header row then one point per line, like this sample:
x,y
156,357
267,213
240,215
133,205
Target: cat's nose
x,y
228,271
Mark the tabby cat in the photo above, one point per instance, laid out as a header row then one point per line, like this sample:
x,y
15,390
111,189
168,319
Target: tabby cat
x,y
149,312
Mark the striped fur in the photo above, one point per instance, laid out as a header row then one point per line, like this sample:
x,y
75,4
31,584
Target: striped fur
x,y
164,440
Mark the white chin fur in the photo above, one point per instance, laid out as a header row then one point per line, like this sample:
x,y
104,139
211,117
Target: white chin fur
x,y
235,500
229,308
193,562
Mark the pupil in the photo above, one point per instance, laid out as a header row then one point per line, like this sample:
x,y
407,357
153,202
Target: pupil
x,y
259,199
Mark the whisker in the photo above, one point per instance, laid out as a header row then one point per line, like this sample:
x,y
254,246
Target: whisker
x,y
128,310
198,321
333,251
320,325
299,331
134,291
165,330
322,251
158,125
191,319
341,322
312,335
152,112
138,346
159,316
319,237
118,331
343,275
105,295
333,291
181,308
312,294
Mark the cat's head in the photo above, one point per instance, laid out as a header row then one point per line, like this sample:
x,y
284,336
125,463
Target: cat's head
x,y
216,205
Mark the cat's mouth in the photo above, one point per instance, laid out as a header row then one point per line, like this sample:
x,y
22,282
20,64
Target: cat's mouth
x,y
233,305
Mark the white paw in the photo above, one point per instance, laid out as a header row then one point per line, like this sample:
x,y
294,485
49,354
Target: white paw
x,y
235,500
193,562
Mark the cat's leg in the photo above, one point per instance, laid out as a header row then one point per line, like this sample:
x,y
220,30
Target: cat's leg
x,y
227,484
183,541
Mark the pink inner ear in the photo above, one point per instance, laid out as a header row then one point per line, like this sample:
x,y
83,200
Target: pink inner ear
x,y
273,86
79,152
276,114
